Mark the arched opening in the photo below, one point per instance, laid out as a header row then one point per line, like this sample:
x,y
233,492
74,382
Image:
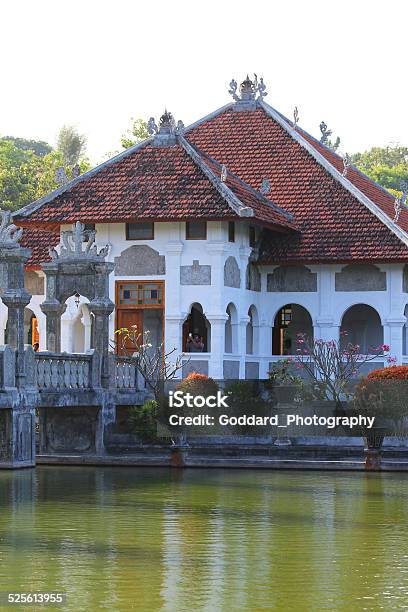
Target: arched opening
x,y
290,320
196,331
231,339
82,330
31,333
252,332
361,324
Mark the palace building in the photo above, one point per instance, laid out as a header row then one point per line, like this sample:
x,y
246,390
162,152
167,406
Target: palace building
x,y
241,230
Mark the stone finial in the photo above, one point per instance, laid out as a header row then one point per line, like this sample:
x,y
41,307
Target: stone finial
x,y
404,189
76,171
346,163
152,127
10,234
166,123
397,209
180,127
265,188
73,241
295,117
61,176
248,91
224,173
326,133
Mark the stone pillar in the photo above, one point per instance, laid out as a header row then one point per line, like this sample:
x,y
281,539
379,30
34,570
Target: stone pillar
x,y
264,332
393,332
53,311
243,322
102,309
217,321
14,297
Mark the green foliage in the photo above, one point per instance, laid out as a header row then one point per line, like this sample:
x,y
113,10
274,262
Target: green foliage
x,y
135,134
388,166
39,147
25,175
71,145
144,421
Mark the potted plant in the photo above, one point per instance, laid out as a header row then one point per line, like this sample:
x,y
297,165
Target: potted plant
x,y
382,394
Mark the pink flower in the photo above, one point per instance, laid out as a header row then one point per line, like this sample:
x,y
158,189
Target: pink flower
x,y
391,359
385,347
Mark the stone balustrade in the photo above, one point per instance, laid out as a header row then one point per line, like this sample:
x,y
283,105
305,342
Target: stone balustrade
x,y
125,373
63,371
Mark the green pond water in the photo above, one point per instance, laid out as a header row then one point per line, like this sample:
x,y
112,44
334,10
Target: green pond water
x,y
159,539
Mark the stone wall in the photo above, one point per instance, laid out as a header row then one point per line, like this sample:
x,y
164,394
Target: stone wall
x,y
361,277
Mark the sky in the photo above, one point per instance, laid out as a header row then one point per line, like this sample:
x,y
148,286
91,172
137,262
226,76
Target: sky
x,y
96,64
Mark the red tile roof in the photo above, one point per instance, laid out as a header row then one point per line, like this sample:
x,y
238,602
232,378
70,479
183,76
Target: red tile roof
x,y
157,183
334,225
332,217
38,241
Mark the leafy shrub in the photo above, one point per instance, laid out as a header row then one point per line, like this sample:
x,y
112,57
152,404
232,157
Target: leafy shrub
x,y
144,421
389,373
198,384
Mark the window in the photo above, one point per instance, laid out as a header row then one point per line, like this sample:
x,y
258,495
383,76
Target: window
x,y
252,236
231,231
140,231
196,230
140,294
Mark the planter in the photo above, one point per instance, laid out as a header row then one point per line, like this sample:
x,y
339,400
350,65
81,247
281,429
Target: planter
x,y
374,439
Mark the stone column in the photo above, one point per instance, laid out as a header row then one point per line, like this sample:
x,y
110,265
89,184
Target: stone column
x,y
393,331
102,309
217,321
264,332
243,322
53,311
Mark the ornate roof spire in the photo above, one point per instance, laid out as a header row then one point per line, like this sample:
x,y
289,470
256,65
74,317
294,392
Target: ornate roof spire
x,y
248,91
165,134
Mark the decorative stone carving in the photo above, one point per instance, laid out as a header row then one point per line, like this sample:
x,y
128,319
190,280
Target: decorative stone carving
x,y
195,274
34,283
10,234
291,278
253,277
248,90
140,260
72,245
361,277
232,273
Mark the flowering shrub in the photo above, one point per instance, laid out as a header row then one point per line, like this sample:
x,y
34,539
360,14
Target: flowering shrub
x,y
331,364
198,384
390,373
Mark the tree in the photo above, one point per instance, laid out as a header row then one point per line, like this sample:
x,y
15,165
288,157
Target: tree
x,y
71,145
388,166
135,134
39,147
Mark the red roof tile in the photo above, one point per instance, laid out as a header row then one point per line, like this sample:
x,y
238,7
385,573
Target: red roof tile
x,y
38,241
334,225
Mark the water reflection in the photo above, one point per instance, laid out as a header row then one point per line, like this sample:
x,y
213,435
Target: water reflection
x,y
160,539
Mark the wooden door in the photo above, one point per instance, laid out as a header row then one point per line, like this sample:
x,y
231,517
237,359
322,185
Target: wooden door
x,y
128,318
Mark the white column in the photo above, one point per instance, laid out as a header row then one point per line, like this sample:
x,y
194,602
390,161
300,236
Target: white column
x,y
173,307
217,321
393,330
264,347
243,322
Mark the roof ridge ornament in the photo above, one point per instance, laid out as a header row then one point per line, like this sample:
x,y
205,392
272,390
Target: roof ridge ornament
x,y
295,117
224,173
265,188
399,202
165,134
10,234
346,164
248,91
72,242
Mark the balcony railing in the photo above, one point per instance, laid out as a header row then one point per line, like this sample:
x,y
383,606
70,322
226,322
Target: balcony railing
x,y
63,371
